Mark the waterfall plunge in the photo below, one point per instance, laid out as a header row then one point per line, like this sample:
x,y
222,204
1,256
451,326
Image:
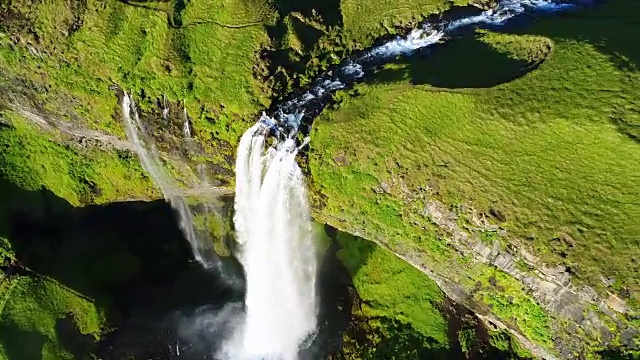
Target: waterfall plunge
x,y
274,229
146,150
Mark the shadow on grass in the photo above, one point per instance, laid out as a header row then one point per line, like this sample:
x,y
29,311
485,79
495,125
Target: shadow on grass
x,y
611,26
386,338
21,344
71,339
328,10
308,35
462,63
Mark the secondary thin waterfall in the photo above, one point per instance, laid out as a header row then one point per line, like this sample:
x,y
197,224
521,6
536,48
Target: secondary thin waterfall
x,y
146,150
277,248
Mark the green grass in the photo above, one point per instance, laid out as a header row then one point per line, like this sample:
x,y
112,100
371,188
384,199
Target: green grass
x,y
365,21
507,299
466,339
544,148
34,307
32,160
205,54
215,225
393,289
504,341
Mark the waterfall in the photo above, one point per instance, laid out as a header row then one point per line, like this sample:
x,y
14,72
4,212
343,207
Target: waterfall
x,y
277,248
186,129
165,108
145,148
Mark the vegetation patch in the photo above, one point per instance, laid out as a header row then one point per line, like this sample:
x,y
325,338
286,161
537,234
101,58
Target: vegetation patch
x,y
393,292
508,300
31,160
504,341
30,320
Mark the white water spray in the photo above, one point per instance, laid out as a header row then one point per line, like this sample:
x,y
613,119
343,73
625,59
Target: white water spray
x,y
186,129
150,159
274,228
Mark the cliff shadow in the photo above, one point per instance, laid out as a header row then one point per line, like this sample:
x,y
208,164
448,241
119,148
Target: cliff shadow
x,y
466,62
129,258
337,298
327,10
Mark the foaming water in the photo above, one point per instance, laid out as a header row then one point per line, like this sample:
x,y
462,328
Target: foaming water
x,y
277,250
272,214
150,159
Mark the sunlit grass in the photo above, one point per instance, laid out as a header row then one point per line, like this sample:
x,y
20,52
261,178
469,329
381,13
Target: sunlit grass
x,y
365,21
32,160
542,149
392,289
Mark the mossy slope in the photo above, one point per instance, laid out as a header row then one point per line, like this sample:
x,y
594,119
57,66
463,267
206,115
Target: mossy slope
x,y
554,150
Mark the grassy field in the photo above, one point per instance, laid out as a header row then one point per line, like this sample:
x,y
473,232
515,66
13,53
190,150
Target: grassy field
x,y
542,149
203,54
33,160
554,148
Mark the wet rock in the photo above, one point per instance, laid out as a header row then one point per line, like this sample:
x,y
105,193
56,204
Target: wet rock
x,y
617,304
341,160
628,337
608,282
498,215
433,186
588,294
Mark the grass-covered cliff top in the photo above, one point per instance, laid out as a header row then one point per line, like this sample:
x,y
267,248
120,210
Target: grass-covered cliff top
x,y
66,261
555,151
534,130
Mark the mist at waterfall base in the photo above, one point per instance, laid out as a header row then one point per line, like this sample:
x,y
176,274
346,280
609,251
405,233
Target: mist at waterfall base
x,y
276,249
278,318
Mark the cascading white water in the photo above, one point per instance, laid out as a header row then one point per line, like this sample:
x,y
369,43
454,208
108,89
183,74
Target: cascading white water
x,y
274,229
186,129
146,150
